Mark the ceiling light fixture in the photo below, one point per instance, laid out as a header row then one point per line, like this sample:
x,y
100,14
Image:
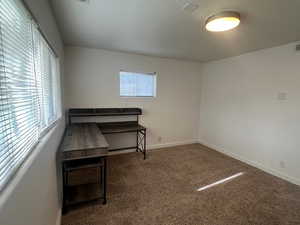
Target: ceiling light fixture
x,y
222,21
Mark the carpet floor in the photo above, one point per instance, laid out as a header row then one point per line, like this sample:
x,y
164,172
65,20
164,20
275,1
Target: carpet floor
x,y
163,190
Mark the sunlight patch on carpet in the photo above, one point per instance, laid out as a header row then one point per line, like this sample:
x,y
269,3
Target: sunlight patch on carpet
x,y
220,181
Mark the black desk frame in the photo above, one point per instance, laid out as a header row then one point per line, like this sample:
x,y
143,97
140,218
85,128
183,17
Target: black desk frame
x,y
99,112
66,170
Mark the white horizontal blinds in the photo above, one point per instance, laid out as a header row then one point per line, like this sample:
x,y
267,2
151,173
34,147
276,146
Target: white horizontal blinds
x,y
47,72
137,84
19,106
56,85
29,87
53,87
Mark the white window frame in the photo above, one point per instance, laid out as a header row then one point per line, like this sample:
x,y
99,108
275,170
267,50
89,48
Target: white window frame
x,y
153,74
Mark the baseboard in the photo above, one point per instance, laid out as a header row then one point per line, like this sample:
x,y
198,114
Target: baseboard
x,y
58,218
171,144
157,146
252,163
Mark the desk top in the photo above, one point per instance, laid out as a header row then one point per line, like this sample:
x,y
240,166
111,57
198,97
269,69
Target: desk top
x,y
119,127
83,140
83,112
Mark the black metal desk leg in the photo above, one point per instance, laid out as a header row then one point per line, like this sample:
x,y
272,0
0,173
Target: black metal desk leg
x,y
65,183
104,181
101,173
144,144
137,141
70,119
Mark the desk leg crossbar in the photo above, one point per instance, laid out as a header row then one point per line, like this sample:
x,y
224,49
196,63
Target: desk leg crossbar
x,y
141,142
102,182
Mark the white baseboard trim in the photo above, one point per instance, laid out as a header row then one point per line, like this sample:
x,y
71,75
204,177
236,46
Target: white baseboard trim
x,y
157,146
252,163
58,218
172,144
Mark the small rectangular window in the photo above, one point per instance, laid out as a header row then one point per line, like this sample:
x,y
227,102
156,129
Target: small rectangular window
x,y
137,84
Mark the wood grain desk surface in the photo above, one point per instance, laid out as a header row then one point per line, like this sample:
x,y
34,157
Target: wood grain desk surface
x,y
120,127
83,140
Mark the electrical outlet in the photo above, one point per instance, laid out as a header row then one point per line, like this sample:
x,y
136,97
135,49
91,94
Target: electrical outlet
x,y
282,96
282,164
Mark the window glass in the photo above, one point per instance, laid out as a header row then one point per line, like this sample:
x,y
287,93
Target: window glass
x,y
137,84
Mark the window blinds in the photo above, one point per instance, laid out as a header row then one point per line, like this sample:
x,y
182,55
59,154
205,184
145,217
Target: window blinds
x,y
137,84
47,81
27,74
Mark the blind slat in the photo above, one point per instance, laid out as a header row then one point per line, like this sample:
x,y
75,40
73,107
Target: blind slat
x,y
137,84
28,87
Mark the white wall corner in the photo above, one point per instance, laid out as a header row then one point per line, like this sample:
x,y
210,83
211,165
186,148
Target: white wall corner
x,y
58,218
271,171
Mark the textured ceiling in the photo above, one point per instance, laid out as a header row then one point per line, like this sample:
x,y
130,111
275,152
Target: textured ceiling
x,y
162,28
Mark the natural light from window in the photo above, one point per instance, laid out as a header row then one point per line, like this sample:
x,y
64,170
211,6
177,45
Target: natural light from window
x,y
137,84
221,181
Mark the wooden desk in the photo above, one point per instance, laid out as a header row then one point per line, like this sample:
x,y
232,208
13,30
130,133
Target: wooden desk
x,y
116,127
84,147
127,127
120,127
83,140
92,112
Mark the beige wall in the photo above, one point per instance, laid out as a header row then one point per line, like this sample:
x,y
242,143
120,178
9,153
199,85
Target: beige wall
x,y
243,113
32,198
92,80
240,108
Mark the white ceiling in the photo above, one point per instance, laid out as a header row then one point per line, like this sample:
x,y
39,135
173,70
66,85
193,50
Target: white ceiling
x,y
162,28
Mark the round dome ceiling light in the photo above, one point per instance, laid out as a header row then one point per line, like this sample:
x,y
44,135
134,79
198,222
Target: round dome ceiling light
x,y
223,21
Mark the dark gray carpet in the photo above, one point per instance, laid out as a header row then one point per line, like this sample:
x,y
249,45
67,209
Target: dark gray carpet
x,y
163,190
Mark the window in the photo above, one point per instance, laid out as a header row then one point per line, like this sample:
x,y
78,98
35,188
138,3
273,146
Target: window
x,y
29,87
137,84
47,80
